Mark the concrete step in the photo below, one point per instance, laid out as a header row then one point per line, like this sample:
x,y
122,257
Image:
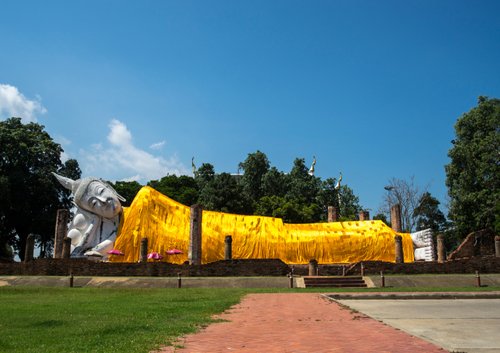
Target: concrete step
x,y
345,282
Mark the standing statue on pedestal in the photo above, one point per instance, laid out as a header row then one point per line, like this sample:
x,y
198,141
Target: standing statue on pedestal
x,y
95,223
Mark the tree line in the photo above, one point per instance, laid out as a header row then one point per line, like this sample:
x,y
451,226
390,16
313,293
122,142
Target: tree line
x,y
296,197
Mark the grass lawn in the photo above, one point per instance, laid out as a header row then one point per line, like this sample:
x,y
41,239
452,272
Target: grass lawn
x,y
42,319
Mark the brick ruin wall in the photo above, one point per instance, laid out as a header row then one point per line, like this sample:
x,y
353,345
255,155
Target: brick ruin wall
x,y
481,243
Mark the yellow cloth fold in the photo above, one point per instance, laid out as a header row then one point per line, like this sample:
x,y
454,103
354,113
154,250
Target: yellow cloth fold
x,y
165,223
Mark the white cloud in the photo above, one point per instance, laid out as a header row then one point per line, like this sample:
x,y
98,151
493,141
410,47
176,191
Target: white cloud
x,y
123,156
62,140
132,178
15,104
157,146
64,157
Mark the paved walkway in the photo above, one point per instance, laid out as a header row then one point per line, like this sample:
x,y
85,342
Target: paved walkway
x,y
296,322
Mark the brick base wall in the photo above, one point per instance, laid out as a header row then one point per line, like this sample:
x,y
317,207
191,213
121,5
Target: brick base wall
x,y
230,268
84,267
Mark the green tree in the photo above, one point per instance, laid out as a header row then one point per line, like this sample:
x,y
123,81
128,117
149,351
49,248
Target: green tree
x,y
183,189
274,183
473,174
223,194
289,210
127,189
429,215
382,217
30,194
327,196
204,175
349,204
254,167
301,185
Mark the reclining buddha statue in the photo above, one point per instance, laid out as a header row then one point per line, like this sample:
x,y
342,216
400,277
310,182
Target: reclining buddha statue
x,y
101,224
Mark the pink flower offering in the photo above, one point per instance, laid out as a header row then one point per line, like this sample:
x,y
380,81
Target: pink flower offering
x,y
116,252
174,252
154,256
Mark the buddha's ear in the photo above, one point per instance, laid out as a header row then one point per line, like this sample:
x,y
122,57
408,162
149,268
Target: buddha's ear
x,y
66,182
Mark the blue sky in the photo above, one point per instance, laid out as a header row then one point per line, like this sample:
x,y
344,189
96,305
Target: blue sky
x,y
133,90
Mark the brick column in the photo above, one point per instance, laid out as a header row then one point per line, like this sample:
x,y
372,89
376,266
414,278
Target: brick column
x,y
144,250
396,218
30,247
66,252
333,214
398,239
497,246
228,250
364,215
313,265
441,248
61,232
194,254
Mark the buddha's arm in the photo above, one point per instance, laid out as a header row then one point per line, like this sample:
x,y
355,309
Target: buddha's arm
x,y
87,237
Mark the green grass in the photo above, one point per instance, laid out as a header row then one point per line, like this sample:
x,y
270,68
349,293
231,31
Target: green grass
x,y
42,319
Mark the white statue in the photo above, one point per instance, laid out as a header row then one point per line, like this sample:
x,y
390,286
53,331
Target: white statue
x,y
423,245
95,224
311,171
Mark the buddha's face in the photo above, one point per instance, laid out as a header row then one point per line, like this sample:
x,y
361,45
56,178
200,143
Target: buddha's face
x,y
101,200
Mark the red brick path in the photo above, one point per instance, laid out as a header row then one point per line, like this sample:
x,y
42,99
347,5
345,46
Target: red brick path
x,y
296,322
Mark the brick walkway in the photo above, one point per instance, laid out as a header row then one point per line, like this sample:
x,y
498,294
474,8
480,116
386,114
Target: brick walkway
x,y
296,322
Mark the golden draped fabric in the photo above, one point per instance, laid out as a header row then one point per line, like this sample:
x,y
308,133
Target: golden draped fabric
x,y
165,223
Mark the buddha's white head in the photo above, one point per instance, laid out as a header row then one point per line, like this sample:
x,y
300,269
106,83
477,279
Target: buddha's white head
x,y
93,195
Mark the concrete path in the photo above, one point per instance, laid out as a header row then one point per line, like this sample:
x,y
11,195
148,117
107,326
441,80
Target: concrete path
x,y
471,325
305,322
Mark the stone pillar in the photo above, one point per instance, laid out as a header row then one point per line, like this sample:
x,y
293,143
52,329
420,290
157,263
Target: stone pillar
x,y
66,252
194,254
441,248
228,255
30,247
333,214
497,246
398,239
364,215
396,218
313,265
144,250
61,232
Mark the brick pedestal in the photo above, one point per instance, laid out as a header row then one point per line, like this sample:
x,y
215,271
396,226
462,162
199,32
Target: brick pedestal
x,y
144,250
441,248
313,266
61,232
396,218
228,241
398,239
30,248
364,215
194,254
333,214
66,252
497,246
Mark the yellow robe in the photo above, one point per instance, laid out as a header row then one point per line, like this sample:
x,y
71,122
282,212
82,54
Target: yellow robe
x,y
165,223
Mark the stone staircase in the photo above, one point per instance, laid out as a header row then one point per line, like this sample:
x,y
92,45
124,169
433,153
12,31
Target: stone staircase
x,y
344,282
